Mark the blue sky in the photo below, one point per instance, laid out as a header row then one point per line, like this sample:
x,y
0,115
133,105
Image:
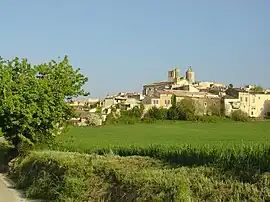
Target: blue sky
x,y
122,44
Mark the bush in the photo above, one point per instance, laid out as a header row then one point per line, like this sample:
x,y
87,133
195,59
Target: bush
x,y
173,113
240,115
94,119
148,120
208,119
66,176
157,113
187,109
77,177
127,120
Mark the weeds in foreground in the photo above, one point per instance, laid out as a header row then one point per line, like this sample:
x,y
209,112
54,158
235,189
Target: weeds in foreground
x,y
67,176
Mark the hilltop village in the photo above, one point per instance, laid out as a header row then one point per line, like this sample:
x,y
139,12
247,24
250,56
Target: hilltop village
x,y
253,100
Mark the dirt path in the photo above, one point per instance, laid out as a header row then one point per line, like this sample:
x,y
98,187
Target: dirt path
x,y
8,194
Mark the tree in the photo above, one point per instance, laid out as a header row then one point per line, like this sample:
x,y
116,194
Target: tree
x,y
173,100
33,98
239,115
173,113
257,89
187,109
157,113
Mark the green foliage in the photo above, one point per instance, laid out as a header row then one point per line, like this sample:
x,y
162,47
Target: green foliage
x,y
148,120
136,112
80,177
99,110
157,113
94,119
126,116
209,119
32,98
111,119
240,115
173,100
173,113
128,120
187,109
257,89
225,133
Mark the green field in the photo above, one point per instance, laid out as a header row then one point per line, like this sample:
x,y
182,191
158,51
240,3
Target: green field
x,y
180,161
223,134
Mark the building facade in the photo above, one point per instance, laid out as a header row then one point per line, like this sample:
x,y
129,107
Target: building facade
x,y
205,102
174,81
256,105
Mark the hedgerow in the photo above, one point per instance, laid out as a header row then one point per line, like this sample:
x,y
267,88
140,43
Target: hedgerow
x,y
63,176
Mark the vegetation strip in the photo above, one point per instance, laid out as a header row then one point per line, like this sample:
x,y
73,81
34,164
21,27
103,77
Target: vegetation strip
x,y
81,177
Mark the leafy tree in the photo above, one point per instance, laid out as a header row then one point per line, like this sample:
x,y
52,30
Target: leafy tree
x,y
187,109
142,108
239,115
257,89
154,113
136,112
173,100
173,113
33,98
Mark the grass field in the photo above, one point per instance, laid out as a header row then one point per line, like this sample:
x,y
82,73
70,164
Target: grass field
x,y
180,161
223,134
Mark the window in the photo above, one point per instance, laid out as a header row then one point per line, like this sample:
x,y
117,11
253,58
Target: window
x,y
205,104
252,113
253,98
155,102
241,99
167,102
246,99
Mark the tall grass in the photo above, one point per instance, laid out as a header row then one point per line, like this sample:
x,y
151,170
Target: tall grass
x,y
245,162
62,176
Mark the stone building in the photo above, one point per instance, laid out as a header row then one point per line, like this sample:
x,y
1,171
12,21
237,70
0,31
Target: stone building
x,y
205,102
125,100
190,75
174,81
255,104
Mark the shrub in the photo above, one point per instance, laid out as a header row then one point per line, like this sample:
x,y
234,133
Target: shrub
x,y
136,111
127,120
173,113
111,119
157,113
94,119
148,120
186,108
77,177
66,176
240,115
208,119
